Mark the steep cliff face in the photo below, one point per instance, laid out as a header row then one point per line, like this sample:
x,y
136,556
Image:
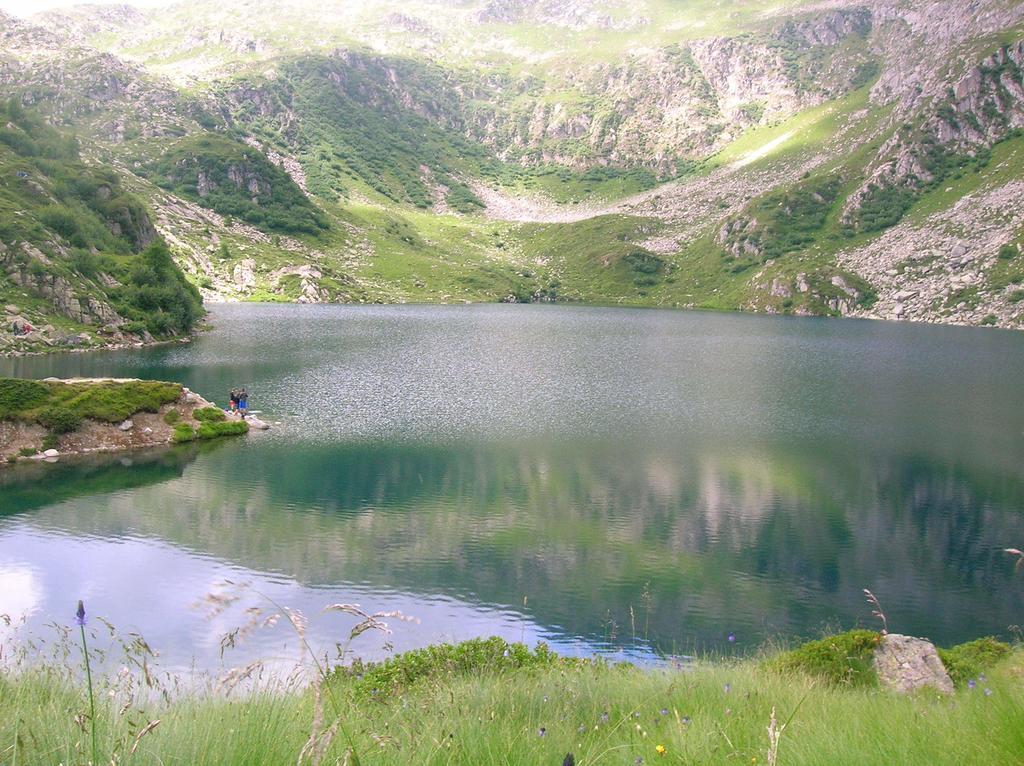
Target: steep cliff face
x,y
984,106
661,107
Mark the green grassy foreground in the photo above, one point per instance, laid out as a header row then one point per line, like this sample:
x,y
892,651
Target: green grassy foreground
x,y
487,702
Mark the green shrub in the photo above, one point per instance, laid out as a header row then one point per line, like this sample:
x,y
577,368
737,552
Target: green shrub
x,y
17,395
966,661
171,417
114,402
27,451
209,415
59,420
50,441
477,656
158,295
214,430
843,659
989,320
1008,252
183,432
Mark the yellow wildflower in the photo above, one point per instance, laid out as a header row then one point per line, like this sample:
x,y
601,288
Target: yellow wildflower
x,y
660,750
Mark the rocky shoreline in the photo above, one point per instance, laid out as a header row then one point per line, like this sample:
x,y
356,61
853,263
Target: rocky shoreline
x,y
27,440
19,337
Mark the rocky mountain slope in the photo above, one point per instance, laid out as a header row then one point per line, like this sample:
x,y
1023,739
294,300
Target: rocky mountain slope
x,y
835,157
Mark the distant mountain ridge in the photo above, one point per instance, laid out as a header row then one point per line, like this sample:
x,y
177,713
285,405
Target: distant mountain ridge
x,y
854,158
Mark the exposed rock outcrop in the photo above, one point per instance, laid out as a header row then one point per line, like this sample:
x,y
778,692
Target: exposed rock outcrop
x,y
905,664
984,106
65,299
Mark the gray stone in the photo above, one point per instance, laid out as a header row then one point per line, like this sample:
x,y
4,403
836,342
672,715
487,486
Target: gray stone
x,y
906,664
10,308
127,425
51,453
780,289
258,424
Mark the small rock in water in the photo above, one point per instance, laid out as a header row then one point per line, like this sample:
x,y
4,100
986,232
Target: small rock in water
x,y
258,424
51,453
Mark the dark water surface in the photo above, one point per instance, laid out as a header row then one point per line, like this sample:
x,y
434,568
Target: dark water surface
x,y
610,480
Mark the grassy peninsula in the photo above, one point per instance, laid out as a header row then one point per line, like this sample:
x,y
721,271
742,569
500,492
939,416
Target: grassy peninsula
x,y
102,415
489,702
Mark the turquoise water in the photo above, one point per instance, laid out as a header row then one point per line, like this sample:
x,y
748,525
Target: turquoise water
x,y
630,482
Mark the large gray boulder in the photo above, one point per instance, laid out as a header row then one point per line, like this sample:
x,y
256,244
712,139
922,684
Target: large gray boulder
x,y
906,664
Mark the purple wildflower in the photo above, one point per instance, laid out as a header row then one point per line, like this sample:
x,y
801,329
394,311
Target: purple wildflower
x,y
981,677
604,717
639,760
728,688
664,711
732,638
582,728
542,732
988,692
686,720
80,614
971,684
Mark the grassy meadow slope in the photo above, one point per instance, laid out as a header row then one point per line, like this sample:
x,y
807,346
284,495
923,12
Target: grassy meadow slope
x,y
749,155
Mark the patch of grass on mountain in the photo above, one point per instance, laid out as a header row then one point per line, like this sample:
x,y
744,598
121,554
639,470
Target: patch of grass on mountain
x,y
565,185
235,179
355,128
597,260
785,221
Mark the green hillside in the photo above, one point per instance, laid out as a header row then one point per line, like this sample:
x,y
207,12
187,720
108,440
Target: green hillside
x,y
74,238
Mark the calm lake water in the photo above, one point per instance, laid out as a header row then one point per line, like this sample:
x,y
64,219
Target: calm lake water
x,y
629,482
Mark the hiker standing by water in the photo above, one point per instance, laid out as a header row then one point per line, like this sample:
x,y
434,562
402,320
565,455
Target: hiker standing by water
x,y
243,402
234,400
